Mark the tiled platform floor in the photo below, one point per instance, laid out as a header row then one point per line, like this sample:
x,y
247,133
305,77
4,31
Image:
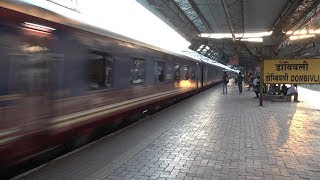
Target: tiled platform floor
x,y
208,136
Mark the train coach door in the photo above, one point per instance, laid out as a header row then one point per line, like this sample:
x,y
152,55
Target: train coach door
x,y
202,75
35,73
198,75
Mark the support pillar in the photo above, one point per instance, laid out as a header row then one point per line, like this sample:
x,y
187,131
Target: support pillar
x,y
261,82
268,52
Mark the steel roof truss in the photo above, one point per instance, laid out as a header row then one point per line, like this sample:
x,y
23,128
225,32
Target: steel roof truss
x,y
189,11
172,13
295,15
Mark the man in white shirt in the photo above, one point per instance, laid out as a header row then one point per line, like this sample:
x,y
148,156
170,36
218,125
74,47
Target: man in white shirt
x,y
292,91
255,81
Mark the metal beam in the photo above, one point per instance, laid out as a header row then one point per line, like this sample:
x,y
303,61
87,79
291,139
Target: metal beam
x,y
304,49
303,15
196,9
246,48
186,17
235,8
194,16
228,20
172,14
285,14
294,16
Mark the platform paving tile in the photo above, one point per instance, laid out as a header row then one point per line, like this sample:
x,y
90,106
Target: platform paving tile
x,y
208,136
231,137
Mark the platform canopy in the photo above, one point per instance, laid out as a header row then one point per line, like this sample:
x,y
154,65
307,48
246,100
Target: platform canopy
x,y
222,29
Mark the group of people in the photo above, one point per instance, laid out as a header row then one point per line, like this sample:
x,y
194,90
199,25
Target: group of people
x,y
239,81
291,91
255,83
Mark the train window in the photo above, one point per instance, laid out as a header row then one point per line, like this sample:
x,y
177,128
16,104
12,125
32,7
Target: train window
x,y
186,72
159,71
137,72
32,66
29,73
100,71
177,72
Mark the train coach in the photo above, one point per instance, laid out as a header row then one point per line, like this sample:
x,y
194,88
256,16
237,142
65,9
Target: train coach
x,y
62,80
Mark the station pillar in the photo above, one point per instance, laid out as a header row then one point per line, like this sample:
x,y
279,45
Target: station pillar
x,y
269,51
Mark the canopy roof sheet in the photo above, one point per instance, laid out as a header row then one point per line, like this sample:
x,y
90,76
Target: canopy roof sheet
x,y
190,18
258,15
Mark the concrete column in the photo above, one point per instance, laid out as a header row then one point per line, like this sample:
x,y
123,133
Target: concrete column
x,y
269,48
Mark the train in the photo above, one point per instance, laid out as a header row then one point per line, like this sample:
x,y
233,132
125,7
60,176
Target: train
x,y
62,80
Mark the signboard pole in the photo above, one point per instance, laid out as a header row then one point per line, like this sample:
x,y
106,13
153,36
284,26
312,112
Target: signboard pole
x,y
261,82
267,53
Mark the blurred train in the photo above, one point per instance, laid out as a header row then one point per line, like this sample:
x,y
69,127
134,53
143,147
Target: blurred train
x,y
62,80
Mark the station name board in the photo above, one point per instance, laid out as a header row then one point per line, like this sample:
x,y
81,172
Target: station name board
x,y
292,71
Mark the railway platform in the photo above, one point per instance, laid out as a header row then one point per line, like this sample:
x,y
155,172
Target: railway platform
x,y
208,136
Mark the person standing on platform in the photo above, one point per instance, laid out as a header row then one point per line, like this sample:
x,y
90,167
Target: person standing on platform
x,y
284,89
256,86
240,80
250,81
225,80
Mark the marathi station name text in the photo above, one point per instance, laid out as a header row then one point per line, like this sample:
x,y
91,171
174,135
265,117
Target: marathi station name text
x,y
284,66
293,78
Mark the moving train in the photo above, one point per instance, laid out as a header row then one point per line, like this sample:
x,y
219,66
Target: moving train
x,y
62,80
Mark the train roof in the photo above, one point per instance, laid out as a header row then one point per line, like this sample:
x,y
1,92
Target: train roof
x,y
207,60
42,13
